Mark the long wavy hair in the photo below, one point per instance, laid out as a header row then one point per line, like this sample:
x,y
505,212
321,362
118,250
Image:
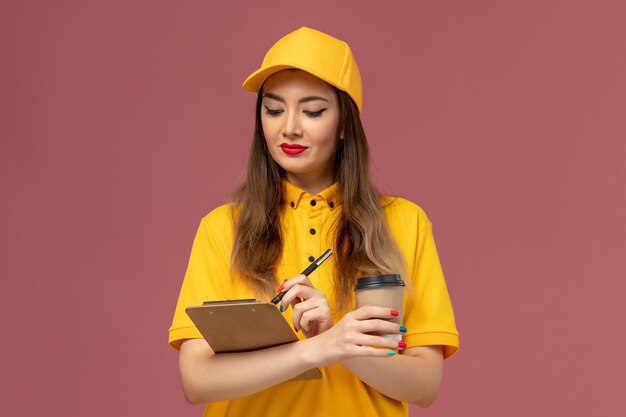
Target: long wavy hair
x,y
363,243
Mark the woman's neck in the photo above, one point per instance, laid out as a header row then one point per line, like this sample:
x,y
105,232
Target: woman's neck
x,y
312,185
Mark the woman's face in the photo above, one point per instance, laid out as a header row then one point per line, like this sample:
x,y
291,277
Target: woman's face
x,y
300,118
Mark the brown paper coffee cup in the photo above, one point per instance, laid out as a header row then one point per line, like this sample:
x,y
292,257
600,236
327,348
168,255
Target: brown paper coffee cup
x,y
382,291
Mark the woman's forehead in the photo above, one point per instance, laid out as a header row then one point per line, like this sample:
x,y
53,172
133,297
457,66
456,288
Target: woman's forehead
x,y
297,82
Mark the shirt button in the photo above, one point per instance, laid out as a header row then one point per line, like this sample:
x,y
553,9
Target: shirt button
x,y
292,204
313,202
312,231
311,259
331,204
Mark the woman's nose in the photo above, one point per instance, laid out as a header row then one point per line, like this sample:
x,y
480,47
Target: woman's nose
x,y
292,126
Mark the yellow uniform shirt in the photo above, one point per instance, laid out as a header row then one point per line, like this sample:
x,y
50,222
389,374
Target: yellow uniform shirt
x,y
428,314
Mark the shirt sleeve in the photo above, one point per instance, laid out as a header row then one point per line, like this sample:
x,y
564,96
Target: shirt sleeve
x,y
428,314
208,273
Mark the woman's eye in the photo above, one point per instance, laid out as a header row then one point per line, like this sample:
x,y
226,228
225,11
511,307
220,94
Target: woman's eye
x,y
314,113
272,112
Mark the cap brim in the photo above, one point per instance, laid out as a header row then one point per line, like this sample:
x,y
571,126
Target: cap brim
x,y
256,79
254,82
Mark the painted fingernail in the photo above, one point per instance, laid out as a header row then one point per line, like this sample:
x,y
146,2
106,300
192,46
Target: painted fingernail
x,y
281,288
296,329
394,313
402,329
401,345
391,352
281,308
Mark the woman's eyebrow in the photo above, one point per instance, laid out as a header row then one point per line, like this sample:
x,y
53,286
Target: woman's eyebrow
x,y
311,98
276,97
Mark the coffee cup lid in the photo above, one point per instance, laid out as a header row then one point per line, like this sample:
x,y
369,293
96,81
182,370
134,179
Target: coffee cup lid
x,y
391,280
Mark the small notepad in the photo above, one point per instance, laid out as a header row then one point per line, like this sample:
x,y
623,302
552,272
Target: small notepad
x,y
244,325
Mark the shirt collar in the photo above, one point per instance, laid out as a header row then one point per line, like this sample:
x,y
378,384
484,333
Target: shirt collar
x,y
293,195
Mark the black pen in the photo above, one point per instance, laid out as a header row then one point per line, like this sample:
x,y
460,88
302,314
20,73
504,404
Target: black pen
x,y
306,272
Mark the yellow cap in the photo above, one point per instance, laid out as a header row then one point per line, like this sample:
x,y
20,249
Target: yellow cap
x,y
317,53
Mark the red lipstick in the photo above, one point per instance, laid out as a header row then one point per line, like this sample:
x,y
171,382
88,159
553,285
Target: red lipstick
x,y
292,148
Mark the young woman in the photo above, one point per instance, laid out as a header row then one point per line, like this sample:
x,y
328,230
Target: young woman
x,y
307,189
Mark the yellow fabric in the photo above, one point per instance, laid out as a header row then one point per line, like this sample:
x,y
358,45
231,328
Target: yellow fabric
x,y
315,52
428,313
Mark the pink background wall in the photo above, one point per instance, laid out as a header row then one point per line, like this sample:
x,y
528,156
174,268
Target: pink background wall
x,y
122,123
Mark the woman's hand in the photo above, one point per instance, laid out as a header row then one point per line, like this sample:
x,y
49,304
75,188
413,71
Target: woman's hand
x,y
311,311
352,337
